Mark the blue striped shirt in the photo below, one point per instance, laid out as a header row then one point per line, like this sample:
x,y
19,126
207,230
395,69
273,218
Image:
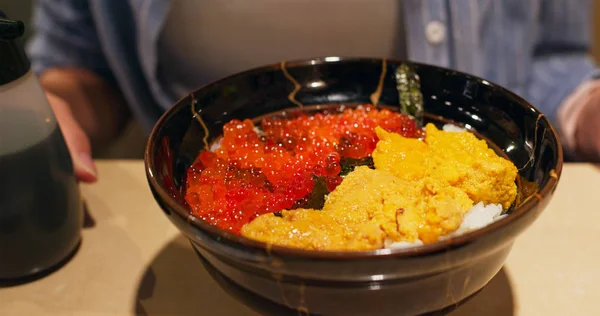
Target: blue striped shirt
x,y
536,48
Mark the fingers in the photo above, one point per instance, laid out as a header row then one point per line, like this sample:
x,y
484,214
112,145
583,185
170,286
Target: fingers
x,y
571,114
76,139
587,133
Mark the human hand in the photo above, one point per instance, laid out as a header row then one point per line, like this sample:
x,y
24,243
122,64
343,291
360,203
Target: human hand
x,y
76,139
579,120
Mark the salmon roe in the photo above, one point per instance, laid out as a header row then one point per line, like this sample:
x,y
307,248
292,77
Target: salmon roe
x,y
253,173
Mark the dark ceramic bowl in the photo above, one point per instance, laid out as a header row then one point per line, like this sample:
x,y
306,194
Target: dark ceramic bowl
x,y
383,282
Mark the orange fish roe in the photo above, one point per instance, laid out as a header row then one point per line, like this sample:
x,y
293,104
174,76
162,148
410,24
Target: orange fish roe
x,y
255,173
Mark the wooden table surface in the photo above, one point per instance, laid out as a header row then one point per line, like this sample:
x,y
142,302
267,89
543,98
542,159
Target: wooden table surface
x,y
132,260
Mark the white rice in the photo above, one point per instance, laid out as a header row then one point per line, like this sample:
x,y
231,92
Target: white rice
x,y
453,128
478,217
216,145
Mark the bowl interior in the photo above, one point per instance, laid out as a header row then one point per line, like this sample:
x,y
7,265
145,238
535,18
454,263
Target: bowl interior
x,y
516,128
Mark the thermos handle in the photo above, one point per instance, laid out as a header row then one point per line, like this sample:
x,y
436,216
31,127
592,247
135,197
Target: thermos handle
x,y
13,62
10,29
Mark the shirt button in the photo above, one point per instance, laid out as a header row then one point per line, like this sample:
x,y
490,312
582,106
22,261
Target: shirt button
x,y
435,31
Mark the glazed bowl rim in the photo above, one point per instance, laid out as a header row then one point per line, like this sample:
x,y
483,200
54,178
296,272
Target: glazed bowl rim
x,y
420,250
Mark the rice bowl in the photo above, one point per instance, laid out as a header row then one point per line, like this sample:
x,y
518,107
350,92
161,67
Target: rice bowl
x,y
430,278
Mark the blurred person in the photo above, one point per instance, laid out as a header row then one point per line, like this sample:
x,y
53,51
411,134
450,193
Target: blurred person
x,y
101,62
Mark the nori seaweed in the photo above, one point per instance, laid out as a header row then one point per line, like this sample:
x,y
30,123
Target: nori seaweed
x,y
316,198
348,164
